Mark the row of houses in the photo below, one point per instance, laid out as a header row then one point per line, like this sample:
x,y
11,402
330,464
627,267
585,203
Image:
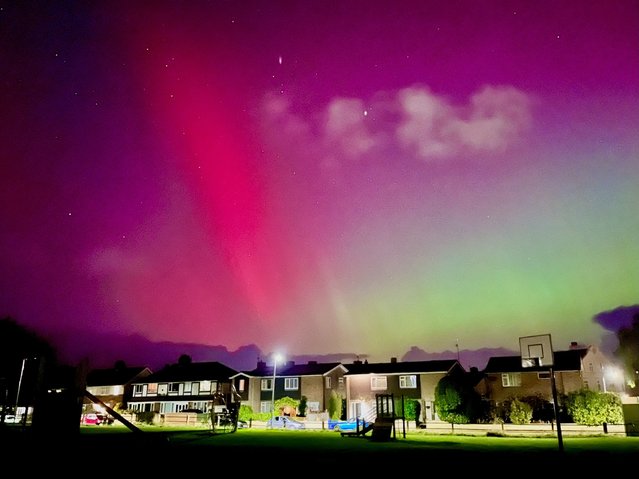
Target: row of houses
x,y
188,386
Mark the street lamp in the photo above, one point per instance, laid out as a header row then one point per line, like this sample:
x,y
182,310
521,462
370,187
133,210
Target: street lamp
x,y
276,358
24,360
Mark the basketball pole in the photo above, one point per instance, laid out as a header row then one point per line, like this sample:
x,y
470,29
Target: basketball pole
x,y
556,408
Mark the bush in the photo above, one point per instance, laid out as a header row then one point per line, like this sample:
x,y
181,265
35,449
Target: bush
x,y
520,412
145,417
593,408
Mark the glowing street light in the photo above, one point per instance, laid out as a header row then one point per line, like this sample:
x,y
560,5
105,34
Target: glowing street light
x,y
276,358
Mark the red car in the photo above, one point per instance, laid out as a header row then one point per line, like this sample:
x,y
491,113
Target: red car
x,y
96,419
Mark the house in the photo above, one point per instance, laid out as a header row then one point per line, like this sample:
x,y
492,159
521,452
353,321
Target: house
x,y
409,380
184,386
575,368
113,386
313,380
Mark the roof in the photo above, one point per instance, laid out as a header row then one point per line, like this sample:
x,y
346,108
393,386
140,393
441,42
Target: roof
x,y
569,360
212,371
399,367
114,376
312,368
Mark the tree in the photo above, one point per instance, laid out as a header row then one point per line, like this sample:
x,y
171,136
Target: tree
x,y
303,405
22,351
628,350
456,400
593,408
184,360
334,405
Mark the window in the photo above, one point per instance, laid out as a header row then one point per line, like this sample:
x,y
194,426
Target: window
x,y
266,385
586,385
327,382
163,389
378,382
511,380
291,384
340,381
241,385
408,382
543,375
205,387
265,406
103,391
314,406
153,389
137,389
174,388
590,367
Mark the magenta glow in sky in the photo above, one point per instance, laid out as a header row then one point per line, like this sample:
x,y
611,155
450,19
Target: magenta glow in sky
x,y
320,176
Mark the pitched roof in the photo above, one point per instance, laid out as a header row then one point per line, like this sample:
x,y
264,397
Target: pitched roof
x,y
312,368
398,367
113,376
569,360
212,371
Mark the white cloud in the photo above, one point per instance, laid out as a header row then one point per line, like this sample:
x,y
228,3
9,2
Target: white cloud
x,y
345,128
496,119
413,121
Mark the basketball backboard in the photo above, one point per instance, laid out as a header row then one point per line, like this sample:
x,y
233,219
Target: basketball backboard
x,y
536,351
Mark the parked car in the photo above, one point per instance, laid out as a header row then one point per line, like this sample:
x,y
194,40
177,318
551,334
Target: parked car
x,y
96,419
12,418
284,422
347,425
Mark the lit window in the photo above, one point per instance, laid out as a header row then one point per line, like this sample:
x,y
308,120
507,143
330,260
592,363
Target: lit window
x,y
153,389
378,382
511,380
291,384
205,386
408,382
241,385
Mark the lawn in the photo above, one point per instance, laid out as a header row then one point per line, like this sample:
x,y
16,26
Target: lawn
x,y
253,450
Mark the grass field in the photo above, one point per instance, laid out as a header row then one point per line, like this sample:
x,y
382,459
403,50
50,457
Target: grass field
x,y
156,450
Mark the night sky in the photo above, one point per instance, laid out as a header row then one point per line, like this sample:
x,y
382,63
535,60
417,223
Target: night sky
x,y
317,177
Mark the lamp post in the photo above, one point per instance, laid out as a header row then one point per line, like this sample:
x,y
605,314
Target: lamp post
x,y
24,360
276,358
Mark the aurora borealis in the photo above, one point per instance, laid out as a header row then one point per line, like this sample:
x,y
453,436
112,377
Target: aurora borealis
x,y
320,176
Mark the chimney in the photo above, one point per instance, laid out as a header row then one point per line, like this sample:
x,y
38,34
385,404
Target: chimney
x,y
393,360
312,362
290,364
